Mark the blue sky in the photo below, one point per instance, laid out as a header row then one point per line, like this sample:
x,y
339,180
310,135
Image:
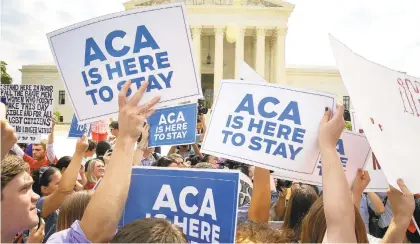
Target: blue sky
x,y
387,32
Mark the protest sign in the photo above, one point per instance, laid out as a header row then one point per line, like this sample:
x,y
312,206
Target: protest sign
x,y
77,130
267,125
203,203
29,110
353,150
249,74
388,109
96,57
245,190
173,126
378,181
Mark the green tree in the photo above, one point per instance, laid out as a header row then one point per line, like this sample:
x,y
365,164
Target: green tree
x,y
348,125
5,77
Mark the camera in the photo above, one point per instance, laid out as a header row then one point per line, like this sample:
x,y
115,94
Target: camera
x,y
202,110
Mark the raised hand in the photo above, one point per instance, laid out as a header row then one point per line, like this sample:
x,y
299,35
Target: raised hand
x,y
131,117
8,135
330,129
402,203
36,235
361,182
82,144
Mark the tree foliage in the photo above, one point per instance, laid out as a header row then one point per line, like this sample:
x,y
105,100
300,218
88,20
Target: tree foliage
x,y
5,77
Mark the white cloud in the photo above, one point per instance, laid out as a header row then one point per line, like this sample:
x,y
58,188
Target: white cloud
x,y
386,32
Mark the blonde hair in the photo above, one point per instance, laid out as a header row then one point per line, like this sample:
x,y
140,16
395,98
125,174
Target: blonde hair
x,y
90,176
72,209
43,143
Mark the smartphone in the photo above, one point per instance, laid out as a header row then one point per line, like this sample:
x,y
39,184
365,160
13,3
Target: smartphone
x,y
38,212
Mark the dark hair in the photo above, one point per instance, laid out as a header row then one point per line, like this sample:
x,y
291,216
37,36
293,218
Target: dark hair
x,y
92,145
102,147
261,233
150,230
164,162
63,162
42,177
301,200
114,125
206,158
194,159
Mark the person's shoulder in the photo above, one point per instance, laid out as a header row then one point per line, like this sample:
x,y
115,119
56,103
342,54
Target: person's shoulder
x,y
74,234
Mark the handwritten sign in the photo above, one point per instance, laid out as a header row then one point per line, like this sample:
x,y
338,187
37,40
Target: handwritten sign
x,y
96,57
29,110
173,126
203,203
267,125
353,150
77,130
245,190
388,108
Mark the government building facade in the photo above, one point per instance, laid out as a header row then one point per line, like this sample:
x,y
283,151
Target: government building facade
x,y
224,32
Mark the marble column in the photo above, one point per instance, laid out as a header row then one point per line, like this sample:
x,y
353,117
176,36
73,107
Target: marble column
x,y
260,52
279,56
196,36
239,50
219,32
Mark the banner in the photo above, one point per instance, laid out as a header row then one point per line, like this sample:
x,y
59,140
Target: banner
x,y
77,130
267,125
353,150
96,57
29,110
249,74
173,126
388,109
203,203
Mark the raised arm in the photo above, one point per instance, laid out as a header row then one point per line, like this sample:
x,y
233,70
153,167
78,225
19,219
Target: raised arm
x,y
142,145
376,203
359,185
68,180
197,150
203,120
259,210
107,203
339,215
8,135
402,206
50,145
280,207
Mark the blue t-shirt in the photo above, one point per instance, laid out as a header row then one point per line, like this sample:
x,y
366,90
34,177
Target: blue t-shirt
x,y
50,220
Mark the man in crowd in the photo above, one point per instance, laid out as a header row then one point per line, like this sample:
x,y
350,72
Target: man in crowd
x,y
42,154
90,152
113,127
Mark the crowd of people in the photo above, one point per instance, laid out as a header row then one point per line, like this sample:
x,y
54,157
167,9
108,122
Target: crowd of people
x,y
80,198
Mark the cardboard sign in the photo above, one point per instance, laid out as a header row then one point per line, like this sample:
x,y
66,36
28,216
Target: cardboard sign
x,y
173,126
388,108
267,125
77,130
353,150
203,203
29,110
96,57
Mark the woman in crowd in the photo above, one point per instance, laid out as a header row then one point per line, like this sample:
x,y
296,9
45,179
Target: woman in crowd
x,y
54,187
63,164
301,200
95,171
72,209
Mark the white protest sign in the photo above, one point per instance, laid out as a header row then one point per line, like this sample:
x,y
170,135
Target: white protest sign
x,y
245,189
388,108
378,182
249,74
353,150
29,110
266,125
96,57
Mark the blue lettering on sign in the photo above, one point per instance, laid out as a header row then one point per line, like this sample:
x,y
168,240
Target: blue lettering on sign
x,y
173,126
203,204
132,62
76,130
343,158
272,137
